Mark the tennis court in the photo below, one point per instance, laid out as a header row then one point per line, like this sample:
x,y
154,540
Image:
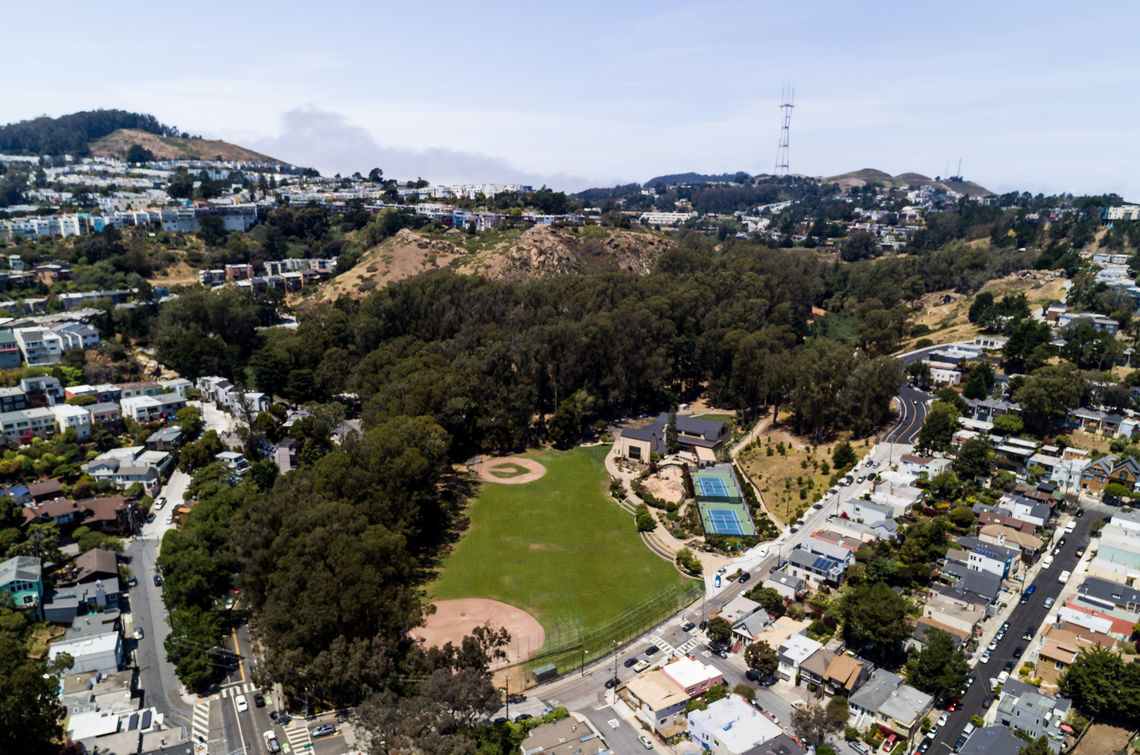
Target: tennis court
x,y
726,519
712,487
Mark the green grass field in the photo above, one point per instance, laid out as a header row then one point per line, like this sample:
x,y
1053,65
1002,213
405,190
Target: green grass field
x,y
557,547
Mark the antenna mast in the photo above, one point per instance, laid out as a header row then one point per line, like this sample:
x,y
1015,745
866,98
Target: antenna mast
x,y
787,102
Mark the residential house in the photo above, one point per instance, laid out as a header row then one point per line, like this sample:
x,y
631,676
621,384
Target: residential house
x,y
1108,470
953,612
22,579
998,534
19,427
731,726
126,466
45,490
178,386
93,643
1025,509
925,625
64,512
781,745
105,413
1023,707
1118,552
165,439
976,587
738,608
813,669
152,408
746,629
984,556
657,701
285,455
692,676
1062,643
9,351
988,515
569,736
844,675
814,568
77,418
793,652
134,390
990,409
923,466
700,437
863,705
903,710
44,390
109,515
778,632
789,587
992,740
866,512
235,461
12,399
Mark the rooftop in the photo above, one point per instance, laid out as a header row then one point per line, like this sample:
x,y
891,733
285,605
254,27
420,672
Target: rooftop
x,y
689,672
737,724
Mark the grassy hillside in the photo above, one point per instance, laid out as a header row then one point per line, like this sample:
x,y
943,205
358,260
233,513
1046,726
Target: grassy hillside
x,y
903,180
117,143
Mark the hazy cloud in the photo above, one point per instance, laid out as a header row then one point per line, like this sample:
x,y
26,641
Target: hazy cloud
x,y
328,142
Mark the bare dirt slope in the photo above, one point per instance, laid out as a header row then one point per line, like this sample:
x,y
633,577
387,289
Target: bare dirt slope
x,y
946,313
172,148
516,256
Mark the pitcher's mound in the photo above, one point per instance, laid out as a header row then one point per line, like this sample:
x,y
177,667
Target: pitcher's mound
x,y
454,619
511,470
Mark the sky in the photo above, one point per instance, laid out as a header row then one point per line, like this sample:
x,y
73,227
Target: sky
x,y
1040,96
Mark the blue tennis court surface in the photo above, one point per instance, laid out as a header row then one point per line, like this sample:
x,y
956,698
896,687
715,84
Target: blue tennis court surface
x,y
712,487
725,522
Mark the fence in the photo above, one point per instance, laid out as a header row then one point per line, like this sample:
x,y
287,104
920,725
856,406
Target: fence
x,y
568,646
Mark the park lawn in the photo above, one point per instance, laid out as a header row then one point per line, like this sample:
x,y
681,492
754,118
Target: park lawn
x,y
557,547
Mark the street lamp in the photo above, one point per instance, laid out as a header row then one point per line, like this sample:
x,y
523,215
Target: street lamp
x,y
613,646
584,654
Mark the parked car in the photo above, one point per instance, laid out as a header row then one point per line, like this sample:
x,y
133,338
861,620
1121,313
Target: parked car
x,y
1064,576
744,577
630,661
150,517
158,504
752,675
944,718
158,580
271,742
610,683
323,730
640,666
651,650
985,657
132,581
1080,551
1017,651
988,701
646,742
1048,604
258,699
138,633
688,626
1080,513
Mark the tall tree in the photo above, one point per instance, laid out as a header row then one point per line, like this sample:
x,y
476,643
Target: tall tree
x,y
761,658
939,669
874,617
938,427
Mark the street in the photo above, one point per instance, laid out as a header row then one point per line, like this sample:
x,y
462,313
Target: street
x,y
1025,616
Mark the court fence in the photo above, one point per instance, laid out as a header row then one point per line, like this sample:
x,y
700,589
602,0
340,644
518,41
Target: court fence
x,y
568,646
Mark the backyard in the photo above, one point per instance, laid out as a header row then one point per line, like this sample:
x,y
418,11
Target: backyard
x,y
557,547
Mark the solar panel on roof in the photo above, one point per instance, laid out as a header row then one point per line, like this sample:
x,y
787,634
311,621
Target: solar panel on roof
x,y
823,564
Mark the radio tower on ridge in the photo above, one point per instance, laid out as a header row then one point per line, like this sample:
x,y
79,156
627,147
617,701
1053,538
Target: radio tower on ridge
x,y
787,102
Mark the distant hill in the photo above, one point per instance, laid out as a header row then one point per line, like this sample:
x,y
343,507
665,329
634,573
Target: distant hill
x,y
72,134
903,180
165,147
673,179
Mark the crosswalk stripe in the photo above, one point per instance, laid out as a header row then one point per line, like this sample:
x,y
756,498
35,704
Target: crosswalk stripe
x,y
298,736
200,726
